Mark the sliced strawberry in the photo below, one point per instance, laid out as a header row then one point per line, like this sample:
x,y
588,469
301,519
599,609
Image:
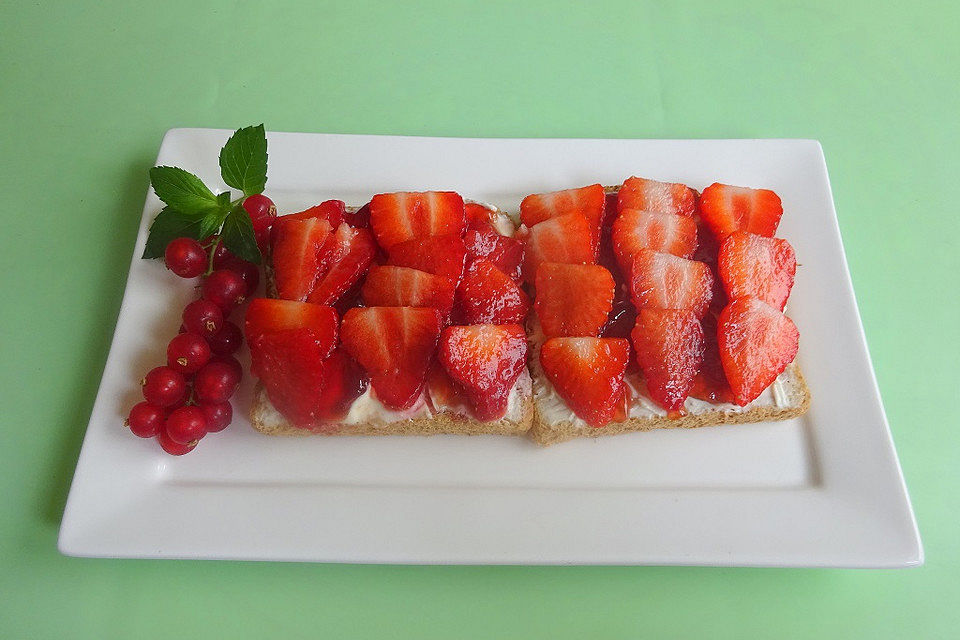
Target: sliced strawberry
x,y
268,316
359,219
390,286
757,342
662,197
664,281
485,360
587,201
710,383
752,265
610,207
347,255
443,393
395,345
707,244
573,299
505,253
397,217
566,239
440,255
588,374
664,232
488,296
669,346
727,209
478,217
333,211
295,254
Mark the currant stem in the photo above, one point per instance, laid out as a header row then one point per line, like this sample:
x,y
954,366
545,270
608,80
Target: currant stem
x,y
212,251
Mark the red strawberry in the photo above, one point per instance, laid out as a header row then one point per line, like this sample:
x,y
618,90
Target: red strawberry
x,y
395,345
396,217
665,281
443,393
710,383
573,299
752,265
669,346
390,286
707,245
333,211
348,254
505,253
588,374
757,342
587,201
440,255
267,316
566,239
477,216
727,209
488,296
359,219
665,232
662,197
609,207
296,256
485,360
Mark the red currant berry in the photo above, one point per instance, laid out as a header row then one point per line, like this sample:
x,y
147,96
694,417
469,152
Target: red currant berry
x,y
145,419
218,415
233,362
262,214
185,257
246,270
224,288
227,341
215,382
187,352
203,318
182,329
174,448
163,386
186,425
220,253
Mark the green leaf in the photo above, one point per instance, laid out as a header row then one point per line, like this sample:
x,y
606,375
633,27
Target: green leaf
x,y
170,224
182,190
237,234
243,160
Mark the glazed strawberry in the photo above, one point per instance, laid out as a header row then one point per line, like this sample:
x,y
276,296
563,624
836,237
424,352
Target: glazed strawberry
x,y
359,219
669,346
664,232
346,256
485,360
390,286
397,217
488,296
662,197
295,255
440,255
587,201
664,281
727,209
444,394
566,239
505,253
573,299
710,383
395,345
588,374
752,265
266,316
757,342
478,217
333,211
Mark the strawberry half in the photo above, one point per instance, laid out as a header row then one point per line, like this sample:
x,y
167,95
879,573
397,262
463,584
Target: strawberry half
x,y
440,255
268,316
390,286
333,211
710,383
505,253
295,255
397,217
664,281
669,346
588,374
444,394
485,360
727,209
752,265
664,232
587,201
478,217
757,342
348,254
573,299
662,197
566,239
488,296
395,345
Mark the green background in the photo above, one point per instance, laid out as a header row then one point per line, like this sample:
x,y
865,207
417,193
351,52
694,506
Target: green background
x,y
88,89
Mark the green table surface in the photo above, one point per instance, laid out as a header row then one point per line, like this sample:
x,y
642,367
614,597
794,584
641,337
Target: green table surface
x,y
87,90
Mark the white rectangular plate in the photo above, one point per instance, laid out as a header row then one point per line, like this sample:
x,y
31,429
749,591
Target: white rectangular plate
x,y
822,490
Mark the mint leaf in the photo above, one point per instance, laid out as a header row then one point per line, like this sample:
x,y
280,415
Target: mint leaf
x,y
243,160
237,234
168,225
182,190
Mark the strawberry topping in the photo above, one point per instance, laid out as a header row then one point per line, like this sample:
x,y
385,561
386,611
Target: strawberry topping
x,y
505,253
727,209
397,217
488,296
333,211
573,299
587,201
710,383
390,286
752,265
669,346
664,281
664,232
268,316
478,217
297,263
440,255
588,374
347,254
566,239
662,197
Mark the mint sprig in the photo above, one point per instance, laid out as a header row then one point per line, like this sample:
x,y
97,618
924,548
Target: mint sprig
x,y
192,210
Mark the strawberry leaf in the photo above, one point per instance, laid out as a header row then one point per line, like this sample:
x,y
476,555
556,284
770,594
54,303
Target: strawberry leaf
x,y
183,191
237,234
243,160
168,225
